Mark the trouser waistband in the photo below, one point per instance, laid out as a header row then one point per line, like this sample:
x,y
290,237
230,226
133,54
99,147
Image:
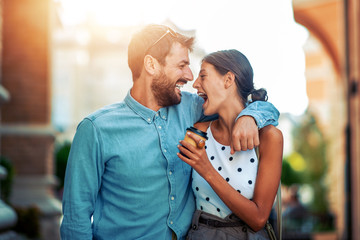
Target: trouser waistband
x,y
216,223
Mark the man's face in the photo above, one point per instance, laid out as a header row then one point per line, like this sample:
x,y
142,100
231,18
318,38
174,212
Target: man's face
x,y
173,76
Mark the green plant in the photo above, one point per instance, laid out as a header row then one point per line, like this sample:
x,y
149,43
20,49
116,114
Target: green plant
x,y
6,183
61,157
288,175
310,146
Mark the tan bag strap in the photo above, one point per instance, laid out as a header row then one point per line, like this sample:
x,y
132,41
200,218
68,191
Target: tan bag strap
x,y
278,211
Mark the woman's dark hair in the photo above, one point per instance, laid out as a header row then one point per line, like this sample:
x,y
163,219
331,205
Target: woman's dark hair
x,y
234,61
152,40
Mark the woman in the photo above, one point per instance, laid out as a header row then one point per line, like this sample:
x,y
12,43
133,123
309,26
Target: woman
x,y
231,190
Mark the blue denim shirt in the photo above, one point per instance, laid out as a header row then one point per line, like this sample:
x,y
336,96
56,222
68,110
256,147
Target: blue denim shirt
x,y
123,178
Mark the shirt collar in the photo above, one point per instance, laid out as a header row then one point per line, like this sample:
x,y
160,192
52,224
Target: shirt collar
x,y
146,113
163,112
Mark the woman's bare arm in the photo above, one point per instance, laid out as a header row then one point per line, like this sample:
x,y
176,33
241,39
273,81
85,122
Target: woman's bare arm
x,y
254,212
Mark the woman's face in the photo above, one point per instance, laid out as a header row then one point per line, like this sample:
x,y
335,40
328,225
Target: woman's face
x,y
210,86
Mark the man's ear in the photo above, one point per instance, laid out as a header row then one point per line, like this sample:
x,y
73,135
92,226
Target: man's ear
x,y
229,79
150,64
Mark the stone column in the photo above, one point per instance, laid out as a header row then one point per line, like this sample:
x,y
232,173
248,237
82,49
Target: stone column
x,y
27,137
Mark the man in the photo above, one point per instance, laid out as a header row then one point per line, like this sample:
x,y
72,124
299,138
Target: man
x,y
123,178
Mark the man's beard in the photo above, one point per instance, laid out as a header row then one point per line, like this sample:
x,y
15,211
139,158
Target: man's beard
x,y
164,91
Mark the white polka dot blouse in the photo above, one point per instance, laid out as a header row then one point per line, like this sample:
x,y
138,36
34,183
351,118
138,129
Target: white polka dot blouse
x,y
239,170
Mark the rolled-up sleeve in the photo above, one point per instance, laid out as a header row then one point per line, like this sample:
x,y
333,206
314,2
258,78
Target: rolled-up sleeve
x,y
82,182
263,112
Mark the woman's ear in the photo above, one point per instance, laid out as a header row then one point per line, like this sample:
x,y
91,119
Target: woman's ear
x,y
229,79
150,64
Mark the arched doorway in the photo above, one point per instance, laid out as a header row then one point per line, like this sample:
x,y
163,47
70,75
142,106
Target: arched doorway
x,y
335,23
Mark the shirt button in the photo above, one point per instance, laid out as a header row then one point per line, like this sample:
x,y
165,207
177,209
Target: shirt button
x,y
156,114
172,198
149,120
170,172
164,117
165,150
159,127
171,222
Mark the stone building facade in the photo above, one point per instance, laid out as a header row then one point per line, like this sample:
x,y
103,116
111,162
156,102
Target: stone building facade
x,y
27,137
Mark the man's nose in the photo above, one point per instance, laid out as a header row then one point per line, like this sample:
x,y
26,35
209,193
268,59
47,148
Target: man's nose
x,y
188,74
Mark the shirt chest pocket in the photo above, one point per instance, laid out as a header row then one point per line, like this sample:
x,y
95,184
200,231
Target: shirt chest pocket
x,y
186,167
182,166
177,162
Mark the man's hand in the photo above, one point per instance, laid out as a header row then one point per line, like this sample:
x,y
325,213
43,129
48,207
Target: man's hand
x,y
245,134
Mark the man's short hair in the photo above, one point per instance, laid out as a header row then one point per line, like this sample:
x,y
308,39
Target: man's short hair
x,y
153,40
